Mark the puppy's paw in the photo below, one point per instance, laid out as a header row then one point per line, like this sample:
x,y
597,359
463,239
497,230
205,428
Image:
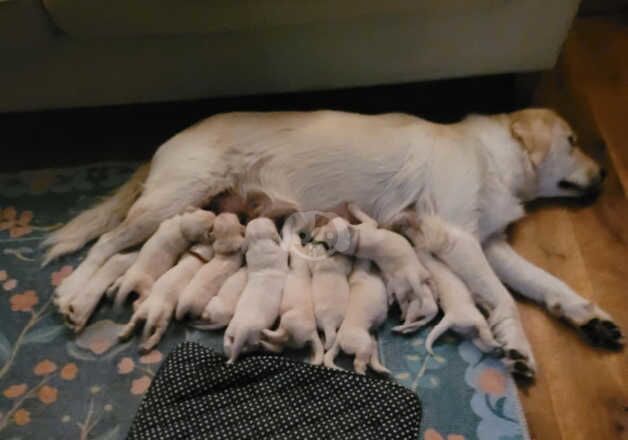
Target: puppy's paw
x,y
603,333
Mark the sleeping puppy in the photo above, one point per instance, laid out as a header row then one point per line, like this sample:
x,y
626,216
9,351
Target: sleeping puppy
x,y
330,289
461,313
258,307
161,252
227,238
367,309
406,278
157,309
297,326
220,309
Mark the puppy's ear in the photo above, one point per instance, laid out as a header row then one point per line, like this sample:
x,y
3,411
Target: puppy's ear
x,y
533,132
245,245
211,237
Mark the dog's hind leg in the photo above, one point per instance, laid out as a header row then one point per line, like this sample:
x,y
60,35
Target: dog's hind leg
x,y
330,357
147,213
318,351
374,362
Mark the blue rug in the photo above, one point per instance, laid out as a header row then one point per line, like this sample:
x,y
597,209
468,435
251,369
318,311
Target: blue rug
x,y
55,384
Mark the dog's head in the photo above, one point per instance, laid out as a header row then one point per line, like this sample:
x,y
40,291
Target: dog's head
x,y
196,224
262,228
227,235
562,169
337,235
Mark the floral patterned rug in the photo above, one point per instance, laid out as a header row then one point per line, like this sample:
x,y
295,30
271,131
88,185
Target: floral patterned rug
x,y
55,384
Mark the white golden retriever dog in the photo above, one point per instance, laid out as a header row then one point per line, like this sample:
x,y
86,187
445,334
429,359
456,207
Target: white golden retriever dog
x,y
478,173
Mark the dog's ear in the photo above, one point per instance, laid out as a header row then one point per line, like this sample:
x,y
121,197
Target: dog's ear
x,y
279,209
245,245
405,219
211,237
534,132
256,203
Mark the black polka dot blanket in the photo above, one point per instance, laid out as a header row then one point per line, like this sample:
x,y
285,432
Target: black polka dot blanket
x,y
197,395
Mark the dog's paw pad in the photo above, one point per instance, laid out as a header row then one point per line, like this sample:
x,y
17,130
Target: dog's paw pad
x,y
515,355
603,333
523,373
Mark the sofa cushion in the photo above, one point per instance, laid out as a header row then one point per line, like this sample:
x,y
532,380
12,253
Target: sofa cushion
x,y
24,24
128,18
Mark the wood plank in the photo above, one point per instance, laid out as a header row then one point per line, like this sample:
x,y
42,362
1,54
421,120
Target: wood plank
x,y
584,390
580,380
595,66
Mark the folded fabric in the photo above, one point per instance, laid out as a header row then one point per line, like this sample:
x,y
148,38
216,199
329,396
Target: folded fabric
x,y
196,395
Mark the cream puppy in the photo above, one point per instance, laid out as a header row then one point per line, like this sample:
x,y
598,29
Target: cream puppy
x,y
161,252
157,309
406,278
220,309
367,309
258,307
297,326
82,306
227,237
330,290
456,301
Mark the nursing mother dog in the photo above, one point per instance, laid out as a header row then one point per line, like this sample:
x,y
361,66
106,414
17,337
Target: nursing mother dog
x,y
474,175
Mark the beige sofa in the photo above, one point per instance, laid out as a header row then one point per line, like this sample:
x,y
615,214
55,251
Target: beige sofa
x,y
66,53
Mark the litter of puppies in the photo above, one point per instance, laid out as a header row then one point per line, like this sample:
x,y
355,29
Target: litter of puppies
x,y
337,275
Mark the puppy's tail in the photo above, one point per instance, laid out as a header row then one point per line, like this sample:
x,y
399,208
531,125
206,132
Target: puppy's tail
x,y
97,220
436,333
279,336
330,356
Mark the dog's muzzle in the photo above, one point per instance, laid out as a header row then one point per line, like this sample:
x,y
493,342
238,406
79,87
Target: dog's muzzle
x,y
592,189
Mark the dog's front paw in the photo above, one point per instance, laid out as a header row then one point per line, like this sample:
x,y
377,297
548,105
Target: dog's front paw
x,y
603,333
520,365
517,354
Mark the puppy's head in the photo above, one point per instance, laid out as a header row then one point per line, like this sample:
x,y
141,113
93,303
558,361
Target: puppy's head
x,y
262,228
562,169
227,235
337,234
197,224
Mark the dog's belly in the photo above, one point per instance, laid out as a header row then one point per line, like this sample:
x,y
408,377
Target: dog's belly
x,y
319,160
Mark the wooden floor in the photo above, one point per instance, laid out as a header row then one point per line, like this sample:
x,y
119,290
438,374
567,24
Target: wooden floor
x,y
582,392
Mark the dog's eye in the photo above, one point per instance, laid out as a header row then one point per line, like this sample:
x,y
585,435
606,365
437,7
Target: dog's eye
x,y
572,140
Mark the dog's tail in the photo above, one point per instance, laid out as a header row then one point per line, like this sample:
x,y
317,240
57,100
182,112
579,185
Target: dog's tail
x,y
97,220
436,333
279,336
330,356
